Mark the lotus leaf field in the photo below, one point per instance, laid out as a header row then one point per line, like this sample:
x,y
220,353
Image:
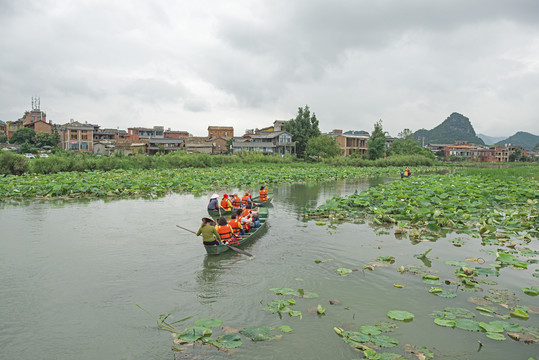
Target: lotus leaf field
x,y
122,183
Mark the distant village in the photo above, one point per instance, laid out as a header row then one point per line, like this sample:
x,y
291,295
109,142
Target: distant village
x,y
273,139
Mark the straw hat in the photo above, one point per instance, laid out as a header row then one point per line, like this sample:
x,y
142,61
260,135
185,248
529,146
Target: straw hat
x,y
214,196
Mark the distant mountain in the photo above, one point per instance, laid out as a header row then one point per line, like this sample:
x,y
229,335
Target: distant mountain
x,y
456,127
525,139
489,140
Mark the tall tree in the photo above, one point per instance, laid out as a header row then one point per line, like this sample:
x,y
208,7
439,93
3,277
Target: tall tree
x,y
406,145
323,147
377,142
22,135
302,128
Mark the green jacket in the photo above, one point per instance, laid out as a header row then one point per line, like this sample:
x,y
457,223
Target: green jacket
x,y
209,233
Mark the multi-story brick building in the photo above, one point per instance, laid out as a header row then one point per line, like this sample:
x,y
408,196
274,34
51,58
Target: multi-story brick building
x,y
171,134
75,136
226,132
351,143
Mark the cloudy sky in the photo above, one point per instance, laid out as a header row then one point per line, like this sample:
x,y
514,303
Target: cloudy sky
x,y
188,64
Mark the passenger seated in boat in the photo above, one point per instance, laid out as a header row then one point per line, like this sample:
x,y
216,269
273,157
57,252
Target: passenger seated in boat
x,y
226,205
246,199
250,216
225,231
235,223
244,223
210,235
263,194
214,203
236,201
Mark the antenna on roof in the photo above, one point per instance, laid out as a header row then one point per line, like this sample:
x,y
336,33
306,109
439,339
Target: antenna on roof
x,y
35,103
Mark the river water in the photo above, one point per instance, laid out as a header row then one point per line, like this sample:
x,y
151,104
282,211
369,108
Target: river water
x,y
72,272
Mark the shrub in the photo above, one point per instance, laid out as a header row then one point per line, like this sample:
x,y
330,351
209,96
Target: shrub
x,y
12,164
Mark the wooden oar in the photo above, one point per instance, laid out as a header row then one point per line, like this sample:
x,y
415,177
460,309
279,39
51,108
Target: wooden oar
x,y
230,247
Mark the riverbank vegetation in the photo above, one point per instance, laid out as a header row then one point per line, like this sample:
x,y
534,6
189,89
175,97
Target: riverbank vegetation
x,y
136,182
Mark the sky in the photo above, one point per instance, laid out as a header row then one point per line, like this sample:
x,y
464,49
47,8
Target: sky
x,y
186,65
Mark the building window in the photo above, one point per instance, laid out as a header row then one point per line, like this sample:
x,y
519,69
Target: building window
x,y
73,136
84,145
226,133
84,137
73,145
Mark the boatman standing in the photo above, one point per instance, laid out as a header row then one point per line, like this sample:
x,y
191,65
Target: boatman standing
x,y
210,236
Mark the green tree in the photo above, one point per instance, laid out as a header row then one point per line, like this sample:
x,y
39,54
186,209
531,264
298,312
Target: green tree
x,y
44,139
515,156
302,128
406,145
323,147
406,134
3,139
22,135
25,148
229,146
377,142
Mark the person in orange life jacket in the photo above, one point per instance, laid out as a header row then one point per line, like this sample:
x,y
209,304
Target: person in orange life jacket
x,y
210,235
246,199
214,203
225,231
263,194
235,223
244,222
251,216
226,205
236,201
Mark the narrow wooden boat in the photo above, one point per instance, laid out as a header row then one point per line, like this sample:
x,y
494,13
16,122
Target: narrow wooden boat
x,y
257,202
245,239
216,213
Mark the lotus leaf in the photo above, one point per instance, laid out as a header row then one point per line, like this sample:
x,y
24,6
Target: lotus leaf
x,y
356,336
491,328
467,324
320,309
519,313
285,328
400,315
344,271
446,294
283,291
257,333
507,326
229,341
384,340
495,336
295,313
456,263
443,322
460,312
386,326
208,322
532,290
370,330
194,333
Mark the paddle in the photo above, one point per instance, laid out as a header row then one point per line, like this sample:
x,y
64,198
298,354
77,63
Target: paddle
x,y
230,247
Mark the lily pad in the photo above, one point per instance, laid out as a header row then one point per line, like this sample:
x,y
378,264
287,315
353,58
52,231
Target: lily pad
x,y
370,330
208,322
400,315
491,328
285,328
446,294
384,341
507,326
456,263
443,322
532,290
519,313
229,341
467,324
320,309
344,271
194,333
257,333
495,336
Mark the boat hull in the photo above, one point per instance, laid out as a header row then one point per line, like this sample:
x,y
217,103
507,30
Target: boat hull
x,y
245,239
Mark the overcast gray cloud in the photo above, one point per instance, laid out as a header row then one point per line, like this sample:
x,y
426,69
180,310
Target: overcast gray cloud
x,y
190,64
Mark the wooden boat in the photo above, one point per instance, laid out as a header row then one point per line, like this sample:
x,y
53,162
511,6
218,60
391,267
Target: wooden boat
x,y
216,213
245,239
257,202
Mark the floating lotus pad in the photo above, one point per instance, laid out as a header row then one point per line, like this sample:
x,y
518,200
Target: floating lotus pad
x,y
400,315
208,322
258,333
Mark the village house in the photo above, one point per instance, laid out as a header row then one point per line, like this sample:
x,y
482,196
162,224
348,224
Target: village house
x,y
176,134
136,133
201,144
76,136
226,132
266,142
351,142
2,127
164,146
39,126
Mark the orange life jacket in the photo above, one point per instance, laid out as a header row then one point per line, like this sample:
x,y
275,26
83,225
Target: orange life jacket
x,y
236,201
225,204
236,226
225,232
246,213
245,199
263,195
